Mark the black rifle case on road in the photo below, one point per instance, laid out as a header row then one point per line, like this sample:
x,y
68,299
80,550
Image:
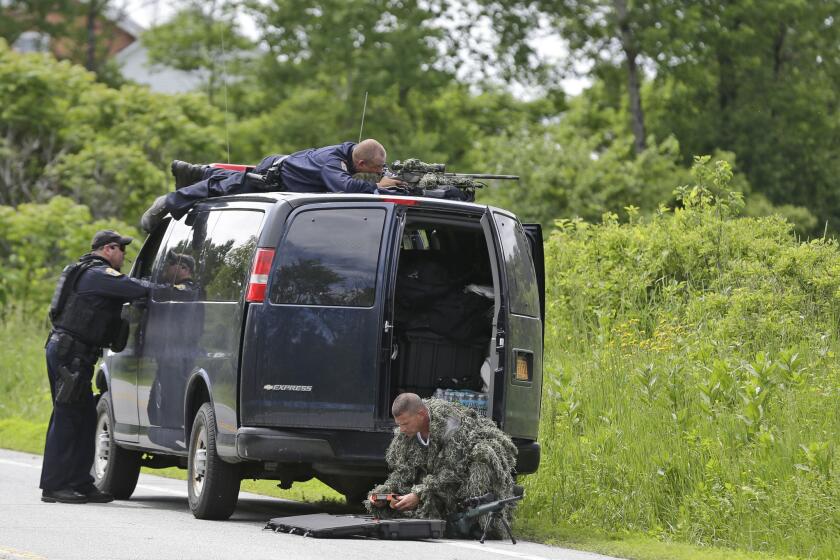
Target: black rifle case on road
x,y
325,526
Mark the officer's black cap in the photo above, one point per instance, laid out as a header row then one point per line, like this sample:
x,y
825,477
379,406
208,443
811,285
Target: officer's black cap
x,y
106,236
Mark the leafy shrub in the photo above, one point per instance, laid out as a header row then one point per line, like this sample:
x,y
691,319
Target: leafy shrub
x,y
691,376
37,241
62,133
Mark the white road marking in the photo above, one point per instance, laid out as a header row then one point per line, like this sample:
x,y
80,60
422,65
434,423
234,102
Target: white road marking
x,y
487,548
18,464
12,554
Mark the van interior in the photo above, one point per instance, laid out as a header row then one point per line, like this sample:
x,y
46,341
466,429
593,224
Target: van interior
x,y
443,306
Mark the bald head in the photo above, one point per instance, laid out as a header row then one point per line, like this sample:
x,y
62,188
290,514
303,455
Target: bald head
x,y
369,156
369,150
411,415
407,403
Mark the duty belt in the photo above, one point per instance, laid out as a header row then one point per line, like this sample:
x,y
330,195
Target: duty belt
x,y
74,346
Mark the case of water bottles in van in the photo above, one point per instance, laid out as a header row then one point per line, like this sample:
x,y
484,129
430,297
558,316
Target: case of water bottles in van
x,y
471,399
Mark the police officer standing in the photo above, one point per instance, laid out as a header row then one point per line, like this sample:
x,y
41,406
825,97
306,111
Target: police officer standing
x,y
85,314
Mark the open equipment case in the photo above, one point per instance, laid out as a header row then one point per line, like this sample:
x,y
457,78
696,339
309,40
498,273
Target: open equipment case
x,y
326,526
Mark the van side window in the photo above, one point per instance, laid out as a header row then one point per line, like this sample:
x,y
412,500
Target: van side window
x,y
519,267
329,257
183,247
228,252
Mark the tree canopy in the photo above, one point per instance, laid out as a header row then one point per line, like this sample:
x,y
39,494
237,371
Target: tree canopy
x,y
748,82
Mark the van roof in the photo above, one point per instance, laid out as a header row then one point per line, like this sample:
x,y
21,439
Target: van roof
x,y
301,197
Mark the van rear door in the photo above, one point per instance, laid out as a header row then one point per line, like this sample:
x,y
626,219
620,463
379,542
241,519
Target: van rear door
x,y
521,338
312,348
535,240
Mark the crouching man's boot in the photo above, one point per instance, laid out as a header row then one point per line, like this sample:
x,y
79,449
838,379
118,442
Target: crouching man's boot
x,y
153,216
186,174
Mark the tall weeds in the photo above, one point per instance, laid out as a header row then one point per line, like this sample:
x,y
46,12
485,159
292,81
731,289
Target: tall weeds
x,y
692,384
24,388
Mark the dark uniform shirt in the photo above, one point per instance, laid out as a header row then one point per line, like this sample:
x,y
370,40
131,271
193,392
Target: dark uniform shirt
x,y
328,169
107,282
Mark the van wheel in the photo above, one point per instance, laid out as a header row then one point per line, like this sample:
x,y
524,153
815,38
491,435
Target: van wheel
x,y
115,470
212,484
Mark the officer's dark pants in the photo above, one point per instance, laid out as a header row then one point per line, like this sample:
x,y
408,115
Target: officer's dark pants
x,y
217,182
70,446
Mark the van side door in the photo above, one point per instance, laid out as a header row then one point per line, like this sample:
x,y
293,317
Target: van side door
x,y
312,348
195,322
519,341
159,396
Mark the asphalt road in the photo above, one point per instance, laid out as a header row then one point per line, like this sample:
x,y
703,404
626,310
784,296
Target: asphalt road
x,y
157,524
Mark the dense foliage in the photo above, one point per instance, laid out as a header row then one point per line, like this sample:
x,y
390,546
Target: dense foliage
x,y
692,377
758,79
63,133
37,241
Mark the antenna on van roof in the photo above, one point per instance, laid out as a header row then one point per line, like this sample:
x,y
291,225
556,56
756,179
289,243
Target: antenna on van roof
x,y
225,81
211,15
364,108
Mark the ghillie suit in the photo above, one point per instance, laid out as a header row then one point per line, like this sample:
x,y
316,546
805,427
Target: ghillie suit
x,y
467,456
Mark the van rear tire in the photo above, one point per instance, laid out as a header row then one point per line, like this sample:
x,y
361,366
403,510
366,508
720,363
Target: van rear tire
x,y
115,470
212,484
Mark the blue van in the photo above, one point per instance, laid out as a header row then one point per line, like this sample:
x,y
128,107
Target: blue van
x,y
292,322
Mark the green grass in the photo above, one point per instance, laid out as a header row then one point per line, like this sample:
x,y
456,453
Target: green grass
x,y
22,435
691,384
24,388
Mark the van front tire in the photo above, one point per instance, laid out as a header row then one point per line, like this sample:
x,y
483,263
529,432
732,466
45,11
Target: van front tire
x,y
212,484
115,470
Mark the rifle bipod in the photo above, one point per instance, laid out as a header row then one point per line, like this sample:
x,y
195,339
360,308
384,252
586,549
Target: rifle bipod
x,y
497,515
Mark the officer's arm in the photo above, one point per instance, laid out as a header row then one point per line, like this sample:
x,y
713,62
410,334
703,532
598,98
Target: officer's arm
x,y
338,180
112,284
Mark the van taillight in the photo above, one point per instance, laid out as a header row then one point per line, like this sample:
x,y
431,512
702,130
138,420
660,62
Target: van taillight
x,y
403,201
259,276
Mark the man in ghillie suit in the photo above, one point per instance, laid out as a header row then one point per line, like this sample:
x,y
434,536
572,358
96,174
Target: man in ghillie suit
x,y
442,454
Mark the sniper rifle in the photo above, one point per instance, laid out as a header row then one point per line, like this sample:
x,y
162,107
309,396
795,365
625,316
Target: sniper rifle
x,y
432,179
462,523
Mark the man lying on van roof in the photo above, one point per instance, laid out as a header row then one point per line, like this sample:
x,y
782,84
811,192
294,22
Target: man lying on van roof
x,y
327,169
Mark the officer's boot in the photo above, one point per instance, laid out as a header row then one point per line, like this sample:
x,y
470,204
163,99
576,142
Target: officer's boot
x,y
152,217
186,173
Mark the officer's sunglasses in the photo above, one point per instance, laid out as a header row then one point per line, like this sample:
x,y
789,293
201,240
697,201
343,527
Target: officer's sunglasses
x,y
121,247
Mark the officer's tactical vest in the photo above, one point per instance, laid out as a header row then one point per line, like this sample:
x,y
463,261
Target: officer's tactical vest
x,y
91,319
